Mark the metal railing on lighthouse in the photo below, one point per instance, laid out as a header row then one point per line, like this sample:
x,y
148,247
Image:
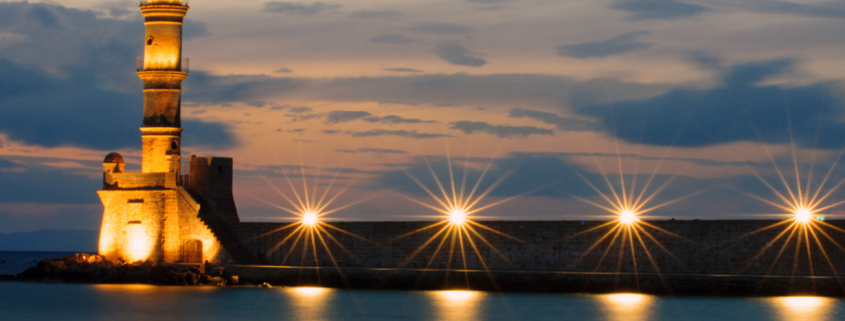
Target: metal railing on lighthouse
x,y
182,2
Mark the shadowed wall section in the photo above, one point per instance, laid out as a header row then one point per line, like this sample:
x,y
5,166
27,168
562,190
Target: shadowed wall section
x,y
710,247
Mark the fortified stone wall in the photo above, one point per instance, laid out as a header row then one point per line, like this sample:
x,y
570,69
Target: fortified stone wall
x,y
669,247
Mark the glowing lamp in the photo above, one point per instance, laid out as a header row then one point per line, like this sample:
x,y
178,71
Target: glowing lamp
x,y
309,218
627,216
803,215
457,216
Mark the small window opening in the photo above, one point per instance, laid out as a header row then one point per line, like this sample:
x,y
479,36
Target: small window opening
x,y
150,41
174,146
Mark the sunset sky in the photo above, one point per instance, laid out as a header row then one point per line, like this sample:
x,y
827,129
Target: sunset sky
x,y
555,95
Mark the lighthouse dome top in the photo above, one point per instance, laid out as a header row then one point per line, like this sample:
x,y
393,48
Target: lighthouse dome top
x,y
114,158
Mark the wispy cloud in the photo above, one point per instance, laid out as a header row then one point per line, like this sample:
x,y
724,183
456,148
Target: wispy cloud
x,y
602,48
299,8
393,39
400,133
503,131
458,55
443,29
561,123
658,9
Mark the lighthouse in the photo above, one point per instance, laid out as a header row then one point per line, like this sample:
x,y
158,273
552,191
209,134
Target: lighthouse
x,y
172,211
162,69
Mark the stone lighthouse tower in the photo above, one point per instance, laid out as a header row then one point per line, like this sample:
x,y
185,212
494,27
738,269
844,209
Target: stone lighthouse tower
x,y
171,211
162,70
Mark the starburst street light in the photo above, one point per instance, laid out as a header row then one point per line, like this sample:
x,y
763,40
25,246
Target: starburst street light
x,y
309,206
457,205
804,202
309,218
628,203
627,216
803,215
457,216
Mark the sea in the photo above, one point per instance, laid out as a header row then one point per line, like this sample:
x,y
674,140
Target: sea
x,y
41,301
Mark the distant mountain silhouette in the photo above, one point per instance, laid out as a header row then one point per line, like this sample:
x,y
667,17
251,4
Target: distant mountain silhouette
x,y
51,240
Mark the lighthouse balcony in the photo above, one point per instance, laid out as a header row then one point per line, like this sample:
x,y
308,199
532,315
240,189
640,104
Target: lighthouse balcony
x,y
183,3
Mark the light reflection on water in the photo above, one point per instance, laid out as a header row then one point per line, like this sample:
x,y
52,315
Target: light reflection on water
x,y
803,308
627,306
310,302
30,301
456,304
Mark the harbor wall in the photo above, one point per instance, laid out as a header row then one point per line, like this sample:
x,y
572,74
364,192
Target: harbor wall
x,y
706,247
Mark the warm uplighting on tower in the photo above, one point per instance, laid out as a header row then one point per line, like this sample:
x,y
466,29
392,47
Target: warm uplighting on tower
x,y
457,216
309,218
627,216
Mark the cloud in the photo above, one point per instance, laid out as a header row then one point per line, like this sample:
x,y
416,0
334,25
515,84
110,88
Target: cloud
x,y
210,135
5,163
257,103
602,48
442,29
301,109
562,123
383,14
790,8
519,174
298,8
458,55
739,110
381,151
71,73
401,133
657,9
342,116
402,69
392,119
36,182
283,70
558,178
502,131
493,90
202,87
391,39
488,1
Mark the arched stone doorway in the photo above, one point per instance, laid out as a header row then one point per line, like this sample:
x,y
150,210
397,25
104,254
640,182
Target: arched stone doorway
x,y
191,252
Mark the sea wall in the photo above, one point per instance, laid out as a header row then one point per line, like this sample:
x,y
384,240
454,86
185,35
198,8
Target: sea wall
x,y
737,247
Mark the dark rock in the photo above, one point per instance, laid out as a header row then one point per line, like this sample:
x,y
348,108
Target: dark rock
x,y
7,277
217,271
215,280
86,268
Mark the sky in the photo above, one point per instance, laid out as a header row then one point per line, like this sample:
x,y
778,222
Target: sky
x,y
706,109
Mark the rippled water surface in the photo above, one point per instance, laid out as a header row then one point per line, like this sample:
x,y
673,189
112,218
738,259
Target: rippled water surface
x,y
30,301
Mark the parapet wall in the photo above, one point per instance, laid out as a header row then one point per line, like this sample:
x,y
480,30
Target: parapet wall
x,y
709,247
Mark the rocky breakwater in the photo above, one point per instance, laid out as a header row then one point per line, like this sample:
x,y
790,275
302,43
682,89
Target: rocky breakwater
x,y
88,268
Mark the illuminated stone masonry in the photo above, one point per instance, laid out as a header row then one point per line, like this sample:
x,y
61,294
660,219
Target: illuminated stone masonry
x,y
172,211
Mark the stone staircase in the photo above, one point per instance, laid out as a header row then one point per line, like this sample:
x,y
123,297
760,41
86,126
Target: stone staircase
x,y
227,237
221,229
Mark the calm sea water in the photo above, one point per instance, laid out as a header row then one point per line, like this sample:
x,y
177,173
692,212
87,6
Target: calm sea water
x,y
31,301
